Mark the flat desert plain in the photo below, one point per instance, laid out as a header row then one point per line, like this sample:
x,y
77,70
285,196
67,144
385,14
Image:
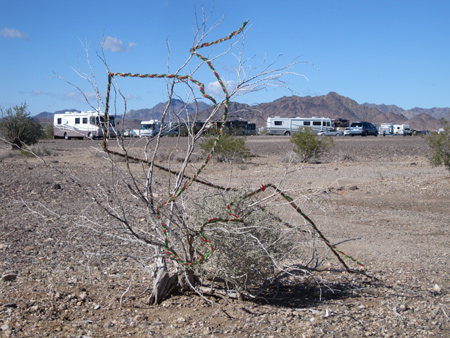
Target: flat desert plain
x,y
377,198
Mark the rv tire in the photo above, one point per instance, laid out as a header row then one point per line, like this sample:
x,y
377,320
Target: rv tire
x,y
66,137
90,136
288,133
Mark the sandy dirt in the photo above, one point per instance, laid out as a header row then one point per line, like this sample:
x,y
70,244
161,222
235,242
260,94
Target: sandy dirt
x,y
377,198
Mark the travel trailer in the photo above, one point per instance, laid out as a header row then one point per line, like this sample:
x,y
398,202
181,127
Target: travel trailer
x,y
289,125
402,129
386,129
82,124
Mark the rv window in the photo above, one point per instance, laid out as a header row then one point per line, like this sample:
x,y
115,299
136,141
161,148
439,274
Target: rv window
x,y
328,124
278,123
77,120
317,123
59,120
85,119
306,123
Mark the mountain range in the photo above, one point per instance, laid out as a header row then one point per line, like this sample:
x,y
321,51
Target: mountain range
x,y
331,105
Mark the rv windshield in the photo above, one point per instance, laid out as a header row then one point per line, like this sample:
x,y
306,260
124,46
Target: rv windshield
x,y
101,119
148,126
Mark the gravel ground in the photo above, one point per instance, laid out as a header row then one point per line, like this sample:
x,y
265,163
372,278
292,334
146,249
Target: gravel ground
x,y
377,198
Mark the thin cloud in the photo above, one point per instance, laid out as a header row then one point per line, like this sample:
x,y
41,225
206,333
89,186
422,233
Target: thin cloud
x,y
79,97
12,33
116,45
38,92
215,89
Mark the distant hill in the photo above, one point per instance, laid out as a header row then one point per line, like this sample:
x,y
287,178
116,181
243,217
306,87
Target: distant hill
x,y
392,108
331,105
334,106
46,118
437,113
49,116
176,107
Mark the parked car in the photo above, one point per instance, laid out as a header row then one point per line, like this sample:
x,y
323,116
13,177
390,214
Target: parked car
x,y
130,133
421,132
331,132
361,128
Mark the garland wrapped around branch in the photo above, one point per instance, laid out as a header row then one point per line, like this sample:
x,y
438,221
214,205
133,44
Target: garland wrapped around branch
x,y
195,178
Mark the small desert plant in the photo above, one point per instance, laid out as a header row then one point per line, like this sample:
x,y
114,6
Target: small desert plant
x,y
440,147
48,132
18,128
35,152
247,249
309,146
228,148
289,157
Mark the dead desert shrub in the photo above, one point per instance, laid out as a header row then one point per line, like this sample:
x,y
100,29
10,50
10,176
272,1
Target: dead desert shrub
x,y
290,157
171,222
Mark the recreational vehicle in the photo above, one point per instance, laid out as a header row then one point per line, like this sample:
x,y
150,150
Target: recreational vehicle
x,y
150,128
82,124
341,124
402,129
251,129
289,125
386,129
235,127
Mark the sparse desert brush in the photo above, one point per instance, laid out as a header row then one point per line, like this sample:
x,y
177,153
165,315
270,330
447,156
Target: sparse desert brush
x,y
309,146
439,144
249,250
18,128
35,152
290,157
228,148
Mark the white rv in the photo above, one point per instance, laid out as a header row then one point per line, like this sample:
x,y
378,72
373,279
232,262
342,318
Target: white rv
x,y
402,129
386,129
289,125
81,124
150,128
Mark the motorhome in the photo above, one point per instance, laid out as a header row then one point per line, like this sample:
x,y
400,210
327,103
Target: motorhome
x,y
150,128
82,124
289,125
386,129
402,129
341,124
237,127
251,129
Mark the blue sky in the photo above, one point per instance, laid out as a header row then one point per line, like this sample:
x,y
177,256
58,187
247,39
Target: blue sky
x,y
383,52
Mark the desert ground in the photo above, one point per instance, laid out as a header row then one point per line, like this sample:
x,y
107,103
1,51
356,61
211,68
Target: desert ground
x,y
377,198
